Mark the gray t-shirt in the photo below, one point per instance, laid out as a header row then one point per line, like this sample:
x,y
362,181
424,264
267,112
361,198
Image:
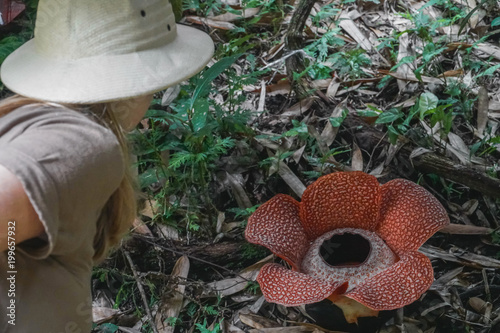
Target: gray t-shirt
x,y
69,166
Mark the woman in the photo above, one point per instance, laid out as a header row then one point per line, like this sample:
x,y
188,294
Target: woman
x,y
65,190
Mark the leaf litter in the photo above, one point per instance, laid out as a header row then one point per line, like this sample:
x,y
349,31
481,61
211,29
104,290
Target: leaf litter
x,y
390,84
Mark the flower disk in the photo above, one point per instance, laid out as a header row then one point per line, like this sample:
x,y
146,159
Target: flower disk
x,y
378,260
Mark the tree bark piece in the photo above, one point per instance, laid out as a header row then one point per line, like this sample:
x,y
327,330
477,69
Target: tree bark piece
x,y
465,175
429,162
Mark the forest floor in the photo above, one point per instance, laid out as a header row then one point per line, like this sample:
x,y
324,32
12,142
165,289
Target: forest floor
x,y
395,89
405,89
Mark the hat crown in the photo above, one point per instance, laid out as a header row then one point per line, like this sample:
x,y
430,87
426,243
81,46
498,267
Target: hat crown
x,y
86,28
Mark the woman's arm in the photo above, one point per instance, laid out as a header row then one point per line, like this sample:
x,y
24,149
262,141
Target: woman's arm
x,y
16,206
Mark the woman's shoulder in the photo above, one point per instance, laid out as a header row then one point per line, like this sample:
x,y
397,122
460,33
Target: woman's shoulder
x,y
53,119
44,113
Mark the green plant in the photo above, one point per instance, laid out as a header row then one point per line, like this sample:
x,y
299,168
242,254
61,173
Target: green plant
x,y
350,63
267,7
429,104
242,212
179,152
495,236
327,11
204,7
250,251
198,315
173,321
252,287
202,328
318,53
106,328
237,45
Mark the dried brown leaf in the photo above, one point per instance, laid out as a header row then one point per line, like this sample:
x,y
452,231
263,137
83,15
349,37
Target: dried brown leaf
x,y
283,87
460,256
299,108
462,229
411,77
329,132
171,304
291,179
149,209
482,111
298,154
262,98
357,158
140,227
167,232
238,190
231,286
489,49
230,17
256,321
104,315
211,23
352,30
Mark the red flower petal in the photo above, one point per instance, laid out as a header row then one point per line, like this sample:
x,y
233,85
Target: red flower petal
x,y
340,200
283,286
276,225
399,285
409,215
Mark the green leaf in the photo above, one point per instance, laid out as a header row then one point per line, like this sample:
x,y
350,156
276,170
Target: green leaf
x,y
298,128
367,113
108,328
203,85
404,60
337,121
389,116
495,22
393,134
149,177
180,158
428,4
430,52
466,19
156,114
474,148
427,102
494,140
200,113
489,71
9,45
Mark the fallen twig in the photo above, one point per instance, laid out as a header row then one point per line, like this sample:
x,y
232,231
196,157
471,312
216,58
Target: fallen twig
x,y
141,290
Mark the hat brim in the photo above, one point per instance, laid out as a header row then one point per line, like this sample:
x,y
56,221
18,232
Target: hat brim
x,y
106,77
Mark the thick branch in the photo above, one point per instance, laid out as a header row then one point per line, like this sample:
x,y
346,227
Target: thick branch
x,y
442,166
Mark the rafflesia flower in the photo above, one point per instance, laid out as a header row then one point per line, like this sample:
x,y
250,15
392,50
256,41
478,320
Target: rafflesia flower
x,y
349,236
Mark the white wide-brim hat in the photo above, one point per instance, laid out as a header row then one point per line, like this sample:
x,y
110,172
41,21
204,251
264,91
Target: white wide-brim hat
x,y
90,51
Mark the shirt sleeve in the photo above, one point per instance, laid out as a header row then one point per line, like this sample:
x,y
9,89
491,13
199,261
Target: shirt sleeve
x,y
68,165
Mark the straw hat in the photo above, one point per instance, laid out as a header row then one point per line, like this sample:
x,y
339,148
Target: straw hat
x,y
88,51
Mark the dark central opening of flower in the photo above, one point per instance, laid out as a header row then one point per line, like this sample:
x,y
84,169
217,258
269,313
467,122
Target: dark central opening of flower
x,y
345,250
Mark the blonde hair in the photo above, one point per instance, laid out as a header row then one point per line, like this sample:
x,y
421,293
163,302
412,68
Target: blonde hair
x,y
120,211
